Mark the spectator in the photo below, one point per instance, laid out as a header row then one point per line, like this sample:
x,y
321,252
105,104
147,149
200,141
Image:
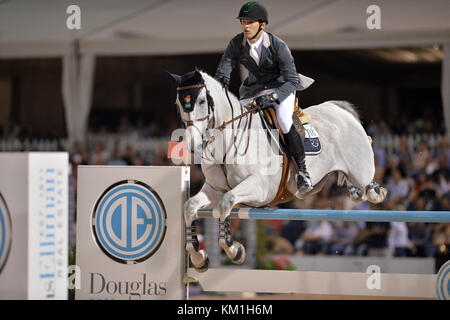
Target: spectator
x,y
373,129
421,157
441,237
420,236
384,128
117,157
392,165
444,150
372,240
142,130
397,186
315,238
399,242
277,244
443,185
79,156
444,204
441,243
161,158
439,167
379,154
125,126
404,155
342,242
293,230
100,155
129,155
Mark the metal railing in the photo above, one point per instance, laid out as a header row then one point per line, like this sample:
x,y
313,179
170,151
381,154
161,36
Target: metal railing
x,y
388,142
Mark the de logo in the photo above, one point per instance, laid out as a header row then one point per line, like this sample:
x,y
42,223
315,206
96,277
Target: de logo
x,y
5,233
129,222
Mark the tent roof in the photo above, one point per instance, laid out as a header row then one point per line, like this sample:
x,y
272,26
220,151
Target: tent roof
x,y
135,27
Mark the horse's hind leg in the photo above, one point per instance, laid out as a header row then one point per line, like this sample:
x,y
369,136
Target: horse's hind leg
x,y
375,193
207,197
355,193
249,190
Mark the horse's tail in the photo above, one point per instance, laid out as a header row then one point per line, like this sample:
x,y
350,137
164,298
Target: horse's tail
x,y
347,106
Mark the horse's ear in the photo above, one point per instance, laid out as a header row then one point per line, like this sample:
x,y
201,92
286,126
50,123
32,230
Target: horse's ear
x,y
175,78
198,75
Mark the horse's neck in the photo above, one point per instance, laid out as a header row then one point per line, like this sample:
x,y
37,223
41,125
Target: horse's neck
x,y
227,109
223,110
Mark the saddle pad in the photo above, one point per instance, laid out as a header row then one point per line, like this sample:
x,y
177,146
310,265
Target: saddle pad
x,y
312,140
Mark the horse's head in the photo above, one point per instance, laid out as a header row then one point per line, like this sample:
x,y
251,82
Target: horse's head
x,y
196,107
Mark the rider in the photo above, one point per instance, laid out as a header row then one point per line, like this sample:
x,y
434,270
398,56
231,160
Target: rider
x,y
272,77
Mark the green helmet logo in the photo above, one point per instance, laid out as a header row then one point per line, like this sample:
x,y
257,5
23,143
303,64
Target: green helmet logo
x,y
248,5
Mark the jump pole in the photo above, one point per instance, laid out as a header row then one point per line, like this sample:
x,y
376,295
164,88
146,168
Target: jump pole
x,y
332,215
321,283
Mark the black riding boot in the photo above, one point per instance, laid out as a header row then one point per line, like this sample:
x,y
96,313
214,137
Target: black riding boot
x,y
295,145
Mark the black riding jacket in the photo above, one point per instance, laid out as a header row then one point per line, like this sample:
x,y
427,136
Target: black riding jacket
x,y
276,67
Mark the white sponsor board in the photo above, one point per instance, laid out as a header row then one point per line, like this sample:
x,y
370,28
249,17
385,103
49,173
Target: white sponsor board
x,y
129,232
33,225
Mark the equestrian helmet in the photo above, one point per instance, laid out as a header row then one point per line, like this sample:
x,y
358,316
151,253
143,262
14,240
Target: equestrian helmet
x,y
252,10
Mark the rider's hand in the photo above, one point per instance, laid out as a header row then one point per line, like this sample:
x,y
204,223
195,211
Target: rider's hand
x,y
265,101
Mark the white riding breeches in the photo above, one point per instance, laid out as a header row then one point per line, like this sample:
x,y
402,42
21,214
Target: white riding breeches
x,y
284,110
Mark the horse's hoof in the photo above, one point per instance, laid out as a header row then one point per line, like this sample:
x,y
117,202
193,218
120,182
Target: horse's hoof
x,y
200,260
240,256
204,267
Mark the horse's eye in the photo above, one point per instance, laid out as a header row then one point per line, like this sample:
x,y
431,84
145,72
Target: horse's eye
x,y
202,101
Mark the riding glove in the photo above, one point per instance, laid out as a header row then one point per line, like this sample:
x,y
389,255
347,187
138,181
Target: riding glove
x,y
265,101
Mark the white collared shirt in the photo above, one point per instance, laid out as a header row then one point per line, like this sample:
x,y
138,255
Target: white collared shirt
x,y
257,46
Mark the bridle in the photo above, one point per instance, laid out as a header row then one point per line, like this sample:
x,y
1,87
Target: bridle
x,y
250,111
188,123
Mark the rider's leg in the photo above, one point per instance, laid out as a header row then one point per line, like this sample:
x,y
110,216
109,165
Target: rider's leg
x,y
293,140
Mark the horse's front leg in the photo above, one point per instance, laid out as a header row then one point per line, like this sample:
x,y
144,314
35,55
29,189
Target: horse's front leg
x,y
250,190
207,197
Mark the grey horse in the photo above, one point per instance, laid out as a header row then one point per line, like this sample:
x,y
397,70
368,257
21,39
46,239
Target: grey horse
x,y
239,170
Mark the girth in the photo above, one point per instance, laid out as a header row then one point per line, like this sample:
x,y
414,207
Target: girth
x,y
283,194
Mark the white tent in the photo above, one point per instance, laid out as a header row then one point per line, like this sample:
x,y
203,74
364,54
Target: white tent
x,y
144,27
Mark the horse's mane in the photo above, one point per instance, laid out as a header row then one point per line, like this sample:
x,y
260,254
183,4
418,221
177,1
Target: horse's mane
x,y
216,88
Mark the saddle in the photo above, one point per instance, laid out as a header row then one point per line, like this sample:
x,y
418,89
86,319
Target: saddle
x,y
310,140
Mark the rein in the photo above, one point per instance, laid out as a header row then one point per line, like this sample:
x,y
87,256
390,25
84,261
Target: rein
x,y
233,119
226,123
255,107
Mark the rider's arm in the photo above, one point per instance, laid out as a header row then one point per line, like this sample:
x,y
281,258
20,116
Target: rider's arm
x,y
288,71
229,60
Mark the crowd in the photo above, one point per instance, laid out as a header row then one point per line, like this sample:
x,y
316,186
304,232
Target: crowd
x,y
415,181
418,180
